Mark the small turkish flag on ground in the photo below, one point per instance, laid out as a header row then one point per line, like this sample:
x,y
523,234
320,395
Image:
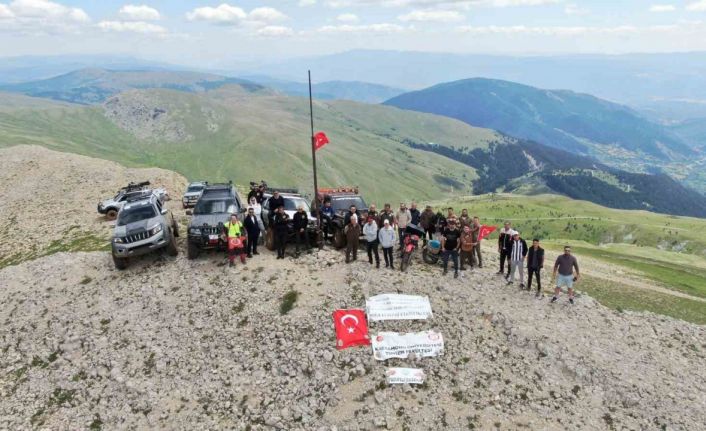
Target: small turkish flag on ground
x,y
351,328
320,139
485,231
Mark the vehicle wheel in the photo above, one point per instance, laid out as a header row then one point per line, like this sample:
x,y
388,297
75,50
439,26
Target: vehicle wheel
x,y
192,251
270,239
406,259
429,258
175,227
111,214
172,247
339,239
120,263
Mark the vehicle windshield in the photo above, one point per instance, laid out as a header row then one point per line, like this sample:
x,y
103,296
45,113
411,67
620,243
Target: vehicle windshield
x,y
132,215
216,206
193,189
344,203
292,204
118,196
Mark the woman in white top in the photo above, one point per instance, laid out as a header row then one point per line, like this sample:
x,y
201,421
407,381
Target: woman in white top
x,y
258,212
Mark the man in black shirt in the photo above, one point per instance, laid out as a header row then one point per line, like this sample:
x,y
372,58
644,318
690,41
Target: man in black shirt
x,y
275,202
535,263
253,228
451,243
301,222
281,224
258,193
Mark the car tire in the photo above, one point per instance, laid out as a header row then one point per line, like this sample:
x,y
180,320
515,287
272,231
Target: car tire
x,y
429,258
111,214
339,239
192,251
120,263
270,239
175,227
172,249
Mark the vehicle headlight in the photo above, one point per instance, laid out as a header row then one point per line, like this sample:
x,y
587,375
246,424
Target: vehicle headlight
x,y
118,240
195,231
155,230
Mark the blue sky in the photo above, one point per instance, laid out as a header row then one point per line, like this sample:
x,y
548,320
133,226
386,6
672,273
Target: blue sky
x,y
224,33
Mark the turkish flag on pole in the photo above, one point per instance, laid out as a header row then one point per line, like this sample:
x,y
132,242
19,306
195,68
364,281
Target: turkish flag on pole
x,y
485,231
320,139
351,328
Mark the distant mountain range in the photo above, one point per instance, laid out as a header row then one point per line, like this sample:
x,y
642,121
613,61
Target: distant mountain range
x,y
95,85
578,123
658,82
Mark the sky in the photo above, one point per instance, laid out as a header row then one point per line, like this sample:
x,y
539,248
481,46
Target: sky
x,y
227,33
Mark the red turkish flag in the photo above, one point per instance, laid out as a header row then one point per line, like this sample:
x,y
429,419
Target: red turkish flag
x,y
485,231
351,328
320,139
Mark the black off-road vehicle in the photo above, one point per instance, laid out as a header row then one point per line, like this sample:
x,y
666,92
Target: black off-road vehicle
x,y
212,211
341,200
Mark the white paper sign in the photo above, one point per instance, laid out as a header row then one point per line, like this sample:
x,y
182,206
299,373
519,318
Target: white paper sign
x,y
388,345
398,307
397,376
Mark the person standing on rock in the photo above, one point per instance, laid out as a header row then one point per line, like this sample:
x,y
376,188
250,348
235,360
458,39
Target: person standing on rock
x,y
439,222
535,263
466,248
426,221
370,231
281,224
252,227
352,211
403,219
465,219
234,232
451,244
388,215
565,266
373,212
504,247
301,222
275,202
518,252
475,232
387,241
257,209
352,231
327,214
416,215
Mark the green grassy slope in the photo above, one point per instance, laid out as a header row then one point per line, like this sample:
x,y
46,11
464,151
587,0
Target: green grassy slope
x,y
242,135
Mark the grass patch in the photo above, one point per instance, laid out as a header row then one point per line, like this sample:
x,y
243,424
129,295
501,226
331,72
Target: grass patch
x,y
288,301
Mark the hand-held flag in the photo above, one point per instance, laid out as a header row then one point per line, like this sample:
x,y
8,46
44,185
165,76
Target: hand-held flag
x,y
485,231
320,139
351,328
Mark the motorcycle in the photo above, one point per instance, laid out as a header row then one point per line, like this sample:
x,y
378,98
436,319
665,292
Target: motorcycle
x,y
410,243
431,253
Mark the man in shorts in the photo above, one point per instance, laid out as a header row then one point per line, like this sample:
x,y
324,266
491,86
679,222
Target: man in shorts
x,y
564,274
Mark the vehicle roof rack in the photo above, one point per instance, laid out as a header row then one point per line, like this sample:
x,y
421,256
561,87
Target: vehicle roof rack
x,y
283,190
347,190
136,186
220,185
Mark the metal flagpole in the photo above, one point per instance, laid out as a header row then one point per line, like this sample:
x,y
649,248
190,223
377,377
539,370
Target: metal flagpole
x,y
313,159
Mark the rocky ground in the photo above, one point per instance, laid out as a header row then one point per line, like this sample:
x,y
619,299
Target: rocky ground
x,y
49,199
178,344
189,345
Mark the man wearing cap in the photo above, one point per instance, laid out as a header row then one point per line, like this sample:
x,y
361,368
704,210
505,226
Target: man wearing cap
x,y
387,242
301,222
518,252
370,232
403,219
504,247
252,227
565,266
451,244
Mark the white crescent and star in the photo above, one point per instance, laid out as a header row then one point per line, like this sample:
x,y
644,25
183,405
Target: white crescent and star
x,y
351,329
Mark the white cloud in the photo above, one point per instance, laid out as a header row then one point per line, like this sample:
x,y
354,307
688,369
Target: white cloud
x,y
5,12
347,17
304,3
698,6
47,11
266,15
275,31
132,12
575,10
553,31
223,14
465,4
659,8
432,16
131,27
383,28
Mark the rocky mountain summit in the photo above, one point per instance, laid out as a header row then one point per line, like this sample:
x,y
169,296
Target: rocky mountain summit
x,y
177,344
